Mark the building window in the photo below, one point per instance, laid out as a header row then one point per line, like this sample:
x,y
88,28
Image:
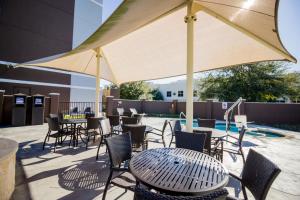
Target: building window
x,y
169,93
180,93
195,93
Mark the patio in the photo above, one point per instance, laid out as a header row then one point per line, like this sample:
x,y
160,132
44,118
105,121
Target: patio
x,y
73,173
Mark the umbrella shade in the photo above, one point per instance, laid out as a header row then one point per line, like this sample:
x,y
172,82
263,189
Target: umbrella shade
x,y
146,39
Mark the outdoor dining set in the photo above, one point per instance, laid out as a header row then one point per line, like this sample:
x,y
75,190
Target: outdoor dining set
x,y
191,170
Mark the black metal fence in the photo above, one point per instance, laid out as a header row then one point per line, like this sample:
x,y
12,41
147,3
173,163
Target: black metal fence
x,y
79,108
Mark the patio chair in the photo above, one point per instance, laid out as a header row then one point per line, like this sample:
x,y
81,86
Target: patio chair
x,y
115,123
211,147
120,111
142,193
129,120
192,141
87,110
138,136
237,144
257,176
119,150
74,110
161,132
105,132
91,129
53,126
210,123
175,126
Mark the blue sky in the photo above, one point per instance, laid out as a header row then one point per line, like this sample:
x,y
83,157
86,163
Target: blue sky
x,y
288,22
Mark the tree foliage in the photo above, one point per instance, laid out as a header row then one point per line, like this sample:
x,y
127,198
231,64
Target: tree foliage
x,y
134,90
156,94
265,81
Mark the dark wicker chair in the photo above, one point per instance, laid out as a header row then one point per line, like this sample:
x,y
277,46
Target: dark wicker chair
x,y
105,132
175,126
53,126
91,130
138,136
87,110
161,132
257,176
238,144
211,147
145,194
114,121
192,141
210,123
129,120
119,149
74,110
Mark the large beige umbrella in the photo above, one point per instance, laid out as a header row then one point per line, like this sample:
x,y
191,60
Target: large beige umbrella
x,y
151,39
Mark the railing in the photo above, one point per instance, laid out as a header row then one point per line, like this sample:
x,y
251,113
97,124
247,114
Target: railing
x,y
79,109
182,114
230,111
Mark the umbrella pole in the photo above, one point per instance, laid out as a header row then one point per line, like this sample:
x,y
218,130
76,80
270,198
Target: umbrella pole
x,y
98,56
189,19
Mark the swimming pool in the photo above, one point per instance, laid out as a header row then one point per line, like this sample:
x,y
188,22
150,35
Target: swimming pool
x,y
234,129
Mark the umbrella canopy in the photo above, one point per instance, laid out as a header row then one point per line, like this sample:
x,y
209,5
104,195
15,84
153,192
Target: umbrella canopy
x,y
146,39
152,39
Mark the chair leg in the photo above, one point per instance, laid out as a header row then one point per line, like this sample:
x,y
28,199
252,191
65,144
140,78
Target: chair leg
x,y
99,148
47,136
171,141
243,156
163,139
55,144
87,141
107,184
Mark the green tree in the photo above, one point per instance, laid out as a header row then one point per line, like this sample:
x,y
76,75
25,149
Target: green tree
x,y
264,81
156,94
293,82
133,90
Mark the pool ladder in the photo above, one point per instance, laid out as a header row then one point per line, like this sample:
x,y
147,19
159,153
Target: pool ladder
x,y
230,110
182,114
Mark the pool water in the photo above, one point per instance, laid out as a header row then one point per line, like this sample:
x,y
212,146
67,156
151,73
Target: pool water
x,y
234,129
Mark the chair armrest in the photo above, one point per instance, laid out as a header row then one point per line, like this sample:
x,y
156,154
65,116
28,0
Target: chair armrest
x,y
120,169
235,176
232,137
156,129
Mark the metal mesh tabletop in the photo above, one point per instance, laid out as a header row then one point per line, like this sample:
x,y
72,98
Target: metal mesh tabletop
x,y
179,171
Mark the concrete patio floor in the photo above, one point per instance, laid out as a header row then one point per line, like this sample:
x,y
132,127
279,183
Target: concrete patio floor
x,y
73,173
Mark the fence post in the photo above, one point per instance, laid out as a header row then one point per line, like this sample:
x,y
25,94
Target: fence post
x,y
143,105
109,105
242,107
54,103
209,108
1,104
173,109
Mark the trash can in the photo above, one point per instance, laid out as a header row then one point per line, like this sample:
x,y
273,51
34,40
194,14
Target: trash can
x,y
37,109
19,110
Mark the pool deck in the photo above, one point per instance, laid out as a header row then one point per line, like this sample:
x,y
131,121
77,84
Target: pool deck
x,y
73,173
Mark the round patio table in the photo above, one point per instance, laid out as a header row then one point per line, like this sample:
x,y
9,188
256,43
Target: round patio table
x,y
73,123
215,133
178,171
147,130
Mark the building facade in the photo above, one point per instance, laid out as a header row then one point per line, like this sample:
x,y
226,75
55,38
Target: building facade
x,y
175,90
36,29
